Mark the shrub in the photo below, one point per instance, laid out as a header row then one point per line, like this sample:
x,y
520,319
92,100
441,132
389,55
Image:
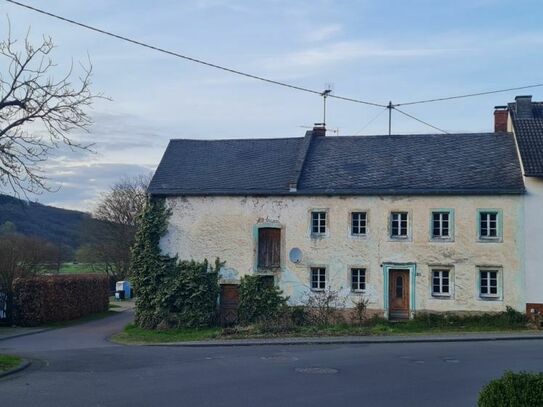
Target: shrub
x,y
360,310
513,389
45,299
259,300
325,307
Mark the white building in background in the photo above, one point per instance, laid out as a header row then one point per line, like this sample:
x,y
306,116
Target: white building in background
x,y
524,119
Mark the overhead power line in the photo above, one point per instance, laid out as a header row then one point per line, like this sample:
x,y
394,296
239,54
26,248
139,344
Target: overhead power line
x,y
371,121
419,120
188,58
468,95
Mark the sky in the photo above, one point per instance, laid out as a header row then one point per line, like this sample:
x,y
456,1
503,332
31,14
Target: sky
x,y
376,50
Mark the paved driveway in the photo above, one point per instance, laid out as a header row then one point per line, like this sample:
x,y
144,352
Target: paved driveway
x,y
75,366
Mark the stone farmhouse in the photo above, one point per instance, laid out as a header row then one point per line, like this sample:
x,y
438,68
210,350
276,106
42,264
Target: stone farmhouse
x,y
425,222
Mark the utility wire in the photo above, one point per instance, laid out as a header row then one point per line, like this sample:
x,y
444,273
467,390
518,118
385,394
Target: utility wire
x,y
198,61
419,120
370,122
536,85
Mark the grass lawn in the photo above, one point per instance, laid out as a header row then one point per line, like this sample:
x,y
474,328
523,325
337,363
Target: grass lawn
x,y
8,362
76,268
134,335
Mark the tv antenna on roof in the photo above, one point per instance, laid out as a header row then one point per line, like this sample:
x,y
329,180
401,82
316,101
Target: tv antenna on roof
x,y
324,95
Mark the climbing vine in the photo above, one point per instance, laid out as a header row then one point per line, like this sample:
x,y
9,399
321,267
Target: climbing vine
x,y
170,293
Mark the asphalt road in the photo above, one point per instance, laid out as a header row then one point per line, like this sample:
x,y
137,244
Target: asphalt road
x,y
75,366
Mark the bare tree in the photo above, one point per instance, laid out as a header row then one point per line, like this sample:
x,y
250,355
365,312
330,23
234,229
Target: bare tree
x,y
30,96
112,230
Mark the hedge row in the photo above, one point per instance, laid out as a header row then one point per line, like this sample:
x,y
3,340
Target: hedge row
x,y
45,299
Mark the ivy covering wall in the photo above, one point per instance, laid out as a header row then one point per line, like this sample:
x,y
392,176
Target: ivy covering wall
x,y
170,293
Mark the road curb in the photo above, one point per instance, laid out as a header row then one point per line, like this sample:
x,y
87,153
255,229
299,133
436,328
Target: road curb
x,y
26,334
234,343
24,364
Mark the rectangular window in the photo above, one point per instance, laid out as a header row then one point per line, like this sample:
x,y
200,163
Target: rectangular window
x,y
358,223
269,247
318,223
398,227
318,278
488,286
488,225
358,279
441,283
441,225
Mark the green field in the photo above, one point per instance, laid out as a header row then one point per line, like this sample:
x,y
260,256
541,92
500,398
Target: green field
x,y
76,268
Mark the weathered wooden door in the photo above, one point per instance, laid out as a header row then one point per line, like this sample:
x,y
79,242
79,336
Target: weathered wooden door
x,y
229,303
398,294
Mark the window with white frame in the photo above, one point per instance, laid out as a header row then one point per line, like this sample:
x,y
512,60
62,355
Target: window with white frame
x,y
441,225
318,223
318,278
489,225
399,225
358,279
441,283
358,223
488,283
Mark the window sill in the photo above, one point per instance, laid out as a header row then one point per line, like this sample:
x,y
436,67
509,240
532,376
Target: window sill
x,y
318,236
359,236
441,296
490,240
267,270
400,238
318,290
490,298
442,239
358,292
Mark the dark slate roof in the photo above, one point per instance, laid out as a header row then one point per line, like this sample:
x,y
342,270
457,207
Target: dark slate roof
x,y
528,126
358,165
195,167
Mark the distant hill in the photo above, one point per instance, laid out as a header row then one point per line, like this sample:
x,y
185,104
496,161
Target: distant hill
x,y
60,226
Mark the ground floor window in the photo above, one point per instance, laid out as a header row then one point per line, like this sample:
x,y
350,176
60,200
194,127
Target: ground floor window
x,y
488,283
318,278
358,279
441,283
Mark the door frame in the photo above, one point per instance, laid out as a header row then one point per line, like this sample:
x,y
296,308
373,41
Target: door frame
x,y
412,268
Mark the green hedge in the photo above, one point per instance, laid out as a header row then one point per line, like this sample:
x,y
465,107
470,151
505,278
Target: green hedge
x,y
46,299
513,390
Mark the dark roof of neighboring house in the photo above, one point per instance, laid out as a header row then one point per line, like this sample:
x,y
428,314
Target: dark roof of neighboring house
x,y
528,125
448,164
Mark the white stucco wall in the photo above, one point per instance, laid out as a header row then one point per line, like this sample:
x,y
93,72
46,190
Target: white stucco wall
x,y
533,212
209,227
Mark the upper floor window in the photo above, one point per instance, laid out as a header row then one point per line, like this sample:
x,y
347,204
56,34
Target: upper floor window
x,y
442,224
318,223
399,225
441,280
358,279
489,283
489,224
318,278
358,223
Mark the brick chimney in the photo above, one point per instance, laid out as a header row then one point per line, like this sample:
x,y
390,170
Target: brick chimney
x,y
319,129
501,115
524,107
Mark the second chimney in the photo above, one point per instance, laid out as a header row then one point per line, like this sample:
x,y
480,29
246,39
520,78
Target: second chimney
x,y
501,115
319,129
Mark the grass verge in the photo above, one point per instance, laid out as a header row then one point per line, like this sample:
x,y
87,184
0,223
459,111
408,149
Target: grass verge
x,y
134,335
8,362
